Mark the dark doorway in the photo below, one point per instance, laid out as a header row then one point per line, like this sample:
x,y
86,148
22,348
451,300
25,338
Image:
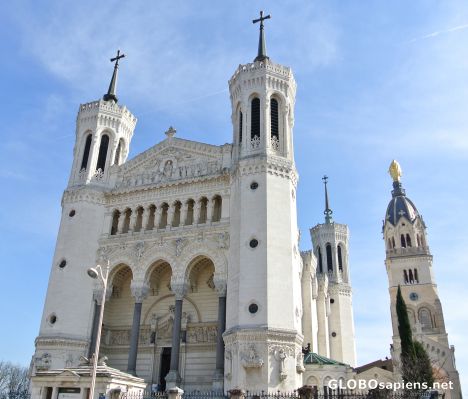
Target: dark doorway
x,y
165,367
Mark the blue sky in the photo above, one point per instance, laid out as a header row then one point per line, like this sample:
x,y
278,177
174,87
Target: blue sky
x,y
376,81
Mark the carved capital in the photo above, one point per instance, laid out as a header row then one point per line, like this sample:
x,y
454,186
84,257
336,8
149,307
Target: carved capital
x,y
220,285
179,288
97,294
139,291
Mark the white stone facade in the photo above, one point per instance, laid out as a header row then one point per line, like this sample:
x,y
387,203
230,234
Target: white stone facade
x,y
196,235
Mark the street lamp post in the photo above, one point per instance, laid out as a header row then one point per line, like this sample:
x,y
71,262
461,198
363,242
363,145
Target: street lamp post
x,y
97,272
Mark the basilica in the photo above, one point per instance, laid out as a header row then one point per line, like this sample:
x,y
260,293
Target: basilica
x,y
201,283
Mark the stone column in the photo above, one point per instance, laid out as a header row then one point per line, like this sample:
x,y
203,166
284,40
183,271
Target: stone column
x,y
209,210
183,213
145,219
196,212
218,378
121,222
139,291
157,217
173,377
54,392
170,216
133,217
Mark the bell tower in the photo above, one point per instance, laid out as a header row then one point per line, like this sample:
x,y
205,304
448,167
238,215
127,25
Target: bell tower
x,y
104,130
263,322
409,265
335,334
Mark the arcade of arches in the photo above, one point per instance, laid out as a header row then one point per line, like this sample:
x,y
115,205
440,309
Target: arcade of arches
x,y
163,326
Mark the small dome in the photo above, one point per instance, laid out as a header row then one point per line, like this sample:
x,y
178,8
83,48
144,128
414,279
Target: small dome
x,y
400,206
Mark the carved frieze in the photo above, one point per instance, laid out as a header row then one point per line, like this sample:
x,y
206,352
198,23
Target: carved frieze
x,y
202,334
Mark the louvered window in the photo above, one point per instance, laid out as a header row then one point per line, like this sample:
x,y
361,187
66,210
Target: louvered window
x,y
102,152
240,127
84,162
255,124
274,118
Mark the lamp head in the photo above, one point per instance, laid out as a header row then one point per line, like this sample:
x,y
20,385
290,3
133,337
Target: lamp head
x,y
92,272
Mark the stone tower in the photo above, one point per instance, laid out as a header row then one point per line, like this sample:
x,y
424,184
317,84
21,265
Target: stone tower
x,y
335,335
409,265
263,322
103,133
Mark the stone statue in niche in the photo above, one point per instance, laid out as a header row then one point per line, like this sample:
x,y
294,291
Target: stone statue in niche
x,y
281,355
168,169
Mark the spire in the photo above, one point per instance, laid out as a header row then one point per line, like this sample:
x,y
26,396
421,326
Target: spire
x,y
261,41
327,212
111,95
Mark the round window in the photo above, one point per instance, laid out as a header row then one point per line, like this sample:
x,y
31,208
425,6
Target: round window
x,y
413,296
332,300
72,213
253,243
62,264
52,318
254,185
333,334
253,308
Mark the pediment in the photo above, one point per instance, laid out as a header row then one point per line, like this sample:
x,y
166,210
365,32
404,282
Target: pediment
x,y
172,159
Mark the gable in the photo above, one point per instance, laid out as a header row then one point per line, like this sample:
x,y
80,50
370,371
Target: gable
x,y
171,160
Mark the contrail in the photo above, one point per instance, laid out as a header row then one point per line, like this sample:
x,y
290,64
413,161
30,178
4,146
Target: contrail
x,y
439,32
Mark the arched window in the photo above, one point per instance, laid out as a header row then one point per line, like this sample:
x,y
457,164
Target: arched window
x,y
203,210
389,244
416,278
425,318
418,240
118,152
115,222
217,205
176,218
240,126
411,278
405,276
340,259
408,240
255,118
274,118
320,261
101,163
329,258
87,147
189,218
393,242
403,242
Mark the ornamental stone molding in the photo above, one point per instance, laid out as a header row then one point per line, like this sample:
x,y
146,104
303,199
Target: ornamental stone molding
x,y
98,290
83,195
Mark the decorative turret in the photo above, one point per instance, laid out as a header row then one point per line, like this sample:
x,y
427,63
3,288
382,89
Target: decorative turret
x,y
336,323
104,130
262,98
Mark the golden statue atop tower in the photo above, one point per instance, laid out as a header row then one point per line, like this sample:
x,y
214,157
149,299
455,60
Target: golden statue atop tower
x,y
395,170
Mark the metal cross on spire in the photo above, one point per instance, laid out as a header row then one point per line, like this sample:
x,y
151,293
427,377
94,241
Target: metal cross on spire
x,y
328,212
111,92
261,41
